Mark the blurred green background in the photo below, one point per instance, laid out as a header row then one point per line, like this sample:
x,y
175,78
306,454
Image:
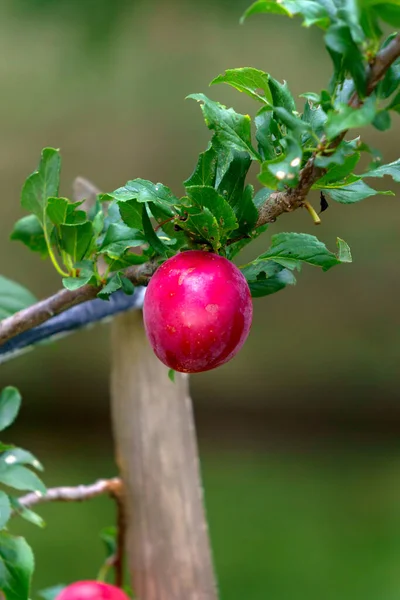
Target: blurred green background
x,y
299,434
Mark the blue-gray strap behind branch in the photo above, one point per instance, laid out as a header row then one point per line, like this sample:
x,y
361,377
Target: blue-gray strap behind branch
x,y
71,320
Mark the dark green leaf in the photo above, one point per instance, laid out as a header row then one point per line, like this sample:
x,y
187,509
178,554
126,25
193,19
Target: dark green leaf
x,y
76,240
347,117
42,184
151,237
29,231
200,225
295,124
13,297
235,247
126,260
339,40
119,238
62,211
281,95
285,168
251,81
16,567
338,172
232,128
266,277
316,118
208,197
116,282
131,213
5,509
290,250
345,149
354,192
85,275
204,173
389,12
10,403
146,191
265,131
382,120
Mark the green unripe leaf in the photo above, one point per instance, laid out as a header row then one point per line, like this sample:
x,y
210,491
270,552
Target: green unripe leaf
x,y
119,238
29,231
10,403
76,240
42,184
16,567
61,211
253,82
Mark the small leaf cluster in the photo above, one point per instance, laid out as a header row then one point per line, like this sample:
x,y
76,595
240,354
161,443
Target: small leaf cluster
x,y
219,211
17,472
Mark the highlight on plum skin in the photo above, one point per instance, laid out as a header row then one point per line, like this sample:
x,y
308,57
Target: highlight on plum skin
x,y
197,311
91,590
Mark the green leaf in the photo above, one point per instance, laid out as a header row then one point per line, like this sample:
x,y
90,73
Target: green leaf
x,y
295,124
116,282
395,103
26,513
151,237
119,238
281,95
52,593
285,168
10,403
265,6
108,536
42,184
344,253
382,120
19,456
266,277
5,509
131,213
251,81
13,297
200,225
76,240
266,134
347,117
143,190
85,275
392,169
339,40
345,149
204,173
354,192
208,197
29,231
389,12
231,128
171,375
291,249
16,567
62,211
316,118
338,172
20,478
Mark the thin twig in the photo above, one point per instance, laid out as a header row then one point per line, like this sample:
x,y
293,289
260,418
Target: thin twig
x,y
74,494
275,205
54,305
118,561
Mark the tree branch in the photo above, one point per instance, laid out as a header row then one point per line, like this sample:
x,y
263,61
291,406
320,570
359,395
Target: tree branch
x,y
292,198
113,487
276,204
43,311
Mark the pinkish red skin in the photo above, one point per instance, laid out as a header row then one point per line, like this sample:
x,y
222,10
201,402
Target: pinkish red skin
x,y
197,311
91,590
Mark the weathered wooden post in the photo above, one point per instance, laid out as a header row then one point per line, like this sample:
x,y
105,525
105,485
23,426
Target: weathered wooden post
x,y
167,541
